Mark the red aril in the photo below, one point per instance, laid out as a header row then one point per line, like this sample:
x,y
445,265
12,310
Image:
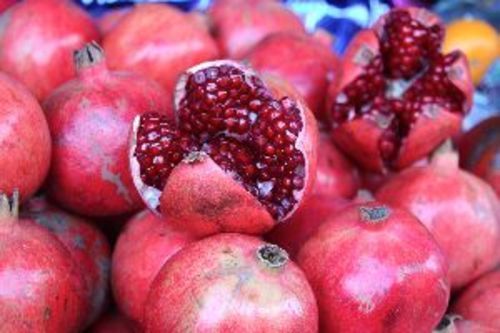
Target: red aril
x,y
305,62
37,40
90,119
87,246
231,283
160,42
143,247
376,269
460,210
113,323
456,324
41,289
398,97
240,24
24,140
239,156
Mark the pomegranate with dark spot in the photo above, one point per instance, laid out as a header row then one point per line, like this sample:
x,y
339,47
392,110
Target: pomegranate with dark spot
x,y
398,97
231,283
143,247
460,210
37,39
240,155
480,151
41,289
87,246
24,140
240,24
481,301
302,60
376,269
160,42
456,324
90,119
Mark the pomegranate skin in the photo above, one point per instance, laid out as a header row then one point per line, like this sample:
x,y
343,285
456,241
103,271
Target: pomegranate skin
x,y
307,63
110,19
456,324
316,210
142,249
480,301
24,140
4,4
86,244
90,119
376,269
231,283
460,210
113,323
40,287
37,49
143,41
480,151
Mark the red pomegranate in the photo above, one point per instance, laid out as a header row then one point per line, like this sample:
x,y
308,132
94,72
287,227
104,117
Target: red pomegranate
x,y
41,289
37,40
398,97
160,42
241,24
24,140
143,247
481,301
90,119
113,323
86,244
111,18
4,4
456,324
316,210
376,269
240,155
460,210
480,151
305,62
229,283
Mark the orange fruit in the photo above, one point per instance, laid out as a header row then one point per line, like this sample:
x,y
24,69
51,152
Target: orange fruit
x,y
478,40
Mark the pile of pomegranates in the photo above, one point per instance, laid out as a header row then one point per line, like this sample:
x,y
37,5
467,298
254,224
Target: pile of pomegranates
x,y
226,171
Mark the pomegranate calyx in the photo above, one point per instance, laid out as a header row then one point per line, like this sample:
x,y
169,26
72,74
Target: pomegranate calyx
x,y
447,324
272,255
88,56
9,206
374,214
445,157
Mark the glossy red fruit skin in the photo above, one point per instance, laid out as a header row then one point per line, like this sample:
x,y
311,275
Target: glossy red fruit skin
x,y
86,244
315,211
37,49
90,119
113,323
359,138
24,140
144,42
40,287
302,60
220,284
240,25
376,274
460,210
480,301
142,249
480,151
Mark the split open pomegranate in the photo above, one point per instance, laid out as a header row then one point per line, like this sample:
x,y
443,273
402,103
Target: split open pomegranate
x,y
239,155
399,97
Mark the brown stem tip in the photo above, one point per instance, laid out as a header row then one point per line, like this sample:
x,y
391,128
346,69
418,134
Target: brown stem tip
x,y
89,55
9,207
272,255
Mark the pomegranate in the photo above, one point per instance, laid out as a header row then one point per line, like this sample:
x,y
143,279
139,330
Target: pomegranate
x,y
239,156
143,247
374,269
145,41
455,324
24,140
110,19
460,210
113,323
40,287
239,25
90,119
87,246
480,151
229,283
4,4
481,301
317,209
398,97
304,61
37,39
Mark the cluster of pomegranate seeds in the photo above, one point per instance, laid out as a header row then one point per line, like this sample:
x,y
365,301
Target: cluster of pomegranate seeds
x,y
230,115
408,78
